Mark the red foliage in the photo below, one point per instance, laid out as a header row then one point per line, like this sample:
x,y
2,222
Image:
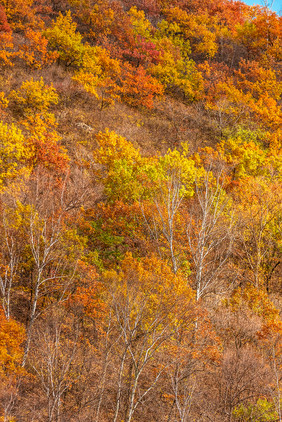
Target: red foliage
x,y
4,25
142,52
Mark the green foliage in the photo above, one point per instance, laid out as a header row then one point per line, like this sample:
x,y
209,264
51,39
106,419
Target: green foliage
x,y
121,161
131,177
262,411
174,170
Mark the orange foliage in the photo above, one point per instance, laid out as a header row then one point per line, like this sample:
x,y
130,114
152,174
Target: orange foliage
x,y
19,13
87,299
139,88
261,34
6,49
47,151
252,92
34,50
12,335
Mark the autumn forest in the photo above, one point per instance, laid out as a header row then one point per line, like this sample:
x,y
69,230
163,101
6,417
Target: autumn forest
x,y
140,211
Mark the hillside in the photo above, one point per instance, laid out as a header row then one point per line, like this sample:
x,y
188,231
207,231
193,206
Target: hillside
x,y
141,211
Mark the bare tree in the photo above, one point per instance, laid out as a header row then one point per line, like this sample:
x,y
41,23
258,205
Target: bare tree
x,y
183,385
162,220
268,4
9,262
56,361
53,252
260,233
209,233
176,173
139,347
144,319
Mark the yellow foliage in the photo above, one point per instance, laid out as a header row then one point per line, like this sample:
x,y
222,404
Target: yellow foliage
x,y
98,74
14,154
140,24
113,147
33,97
256,299
132,177
151,289
4,102
198,29
64,39
177,73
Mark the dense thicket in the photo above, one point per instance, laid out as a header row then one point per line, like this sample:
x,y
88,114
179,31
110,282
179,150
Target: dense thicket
x,y
140,211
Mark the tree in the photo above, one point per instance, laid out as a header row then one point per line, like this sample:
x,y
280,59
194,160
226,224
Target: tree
x,y
64,39
10,256
261,410
159,184
14,154
209,233
34,50
6,40
4,25
51,245
148,304
4,102
267,330
31,102
252,92
177,74
172,184
197,28
258,245
243,376
271,337
120,161
138,87
175,69
99,75
56,361
195,352
260,33
19,12
12,335
33,97
100,18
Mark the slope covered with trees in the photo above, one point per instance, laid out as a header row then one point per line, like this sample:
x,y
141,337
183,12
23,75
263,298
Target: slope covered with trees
x,y
140,211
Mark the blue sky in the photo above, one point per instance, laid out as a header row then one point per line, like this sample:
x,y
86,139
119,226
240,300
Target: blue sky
x,y
277,4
